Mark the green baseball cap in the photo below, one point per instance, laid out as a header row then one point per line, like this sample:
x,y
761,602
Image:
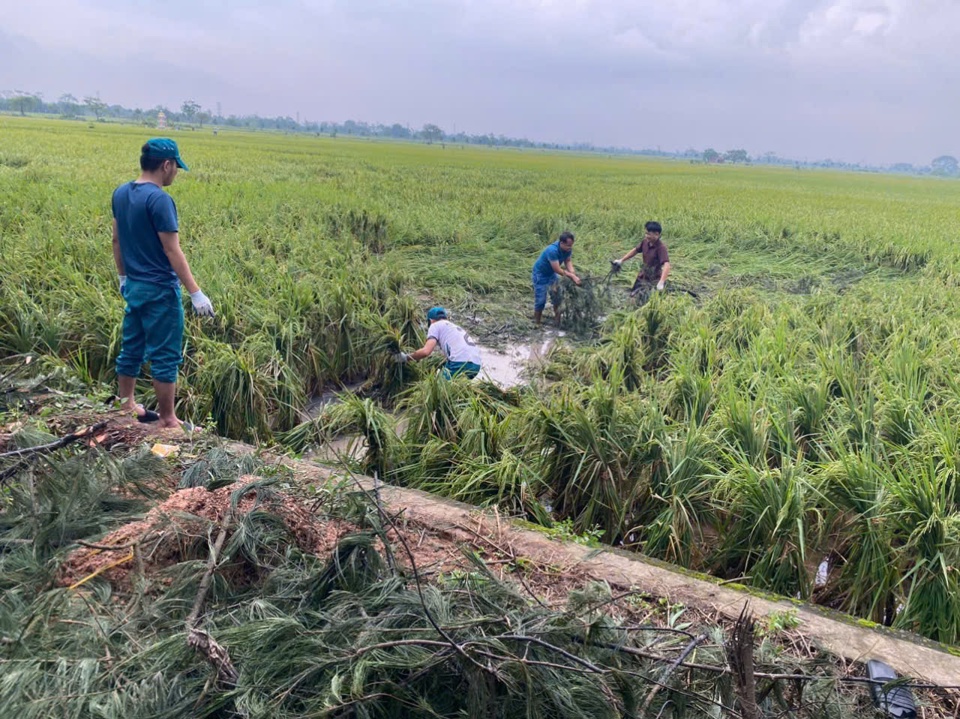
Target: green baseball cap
x,y
163,148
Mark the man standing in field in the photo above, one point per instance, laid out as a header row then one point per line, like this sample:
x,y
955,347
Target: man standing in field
x,y
656,262
463,355
554,262
151,265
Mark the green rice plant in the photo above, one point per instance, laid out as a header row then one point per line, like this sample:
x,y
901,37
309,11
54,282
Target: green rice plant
x,y
738,317
927,516
904,395
694,364
623,353
238,386
811,401
745,428
784,434
387,375
372,231
940,443
658,318
597,451
679,501
306,435
858,485
427,465
25,327
770,518
507,480
376,426
693,396
404,315
434,406
342,309
484,428
856,408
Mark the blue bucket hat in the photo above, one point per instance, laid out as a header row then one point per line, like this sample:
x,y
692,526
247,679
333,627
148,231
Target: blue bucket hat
x,y
437,313
163,148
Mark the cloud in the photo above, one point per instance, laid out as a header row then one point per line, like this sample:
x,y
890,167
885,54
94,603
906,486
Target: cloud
x,y
854,79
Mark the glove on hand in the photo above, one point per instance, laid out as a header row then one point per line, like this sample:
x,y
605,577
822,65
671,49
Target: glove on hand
x,y
201,304
401,358
616,265
123,284
660,285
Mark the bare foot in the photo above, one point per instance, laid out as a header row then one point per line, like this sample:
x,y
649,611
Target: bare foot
x,y
175,423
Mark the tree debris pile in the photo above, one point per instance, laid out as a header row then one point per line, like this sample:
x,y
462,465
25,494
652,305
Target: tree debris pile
x,y
239,601
177,530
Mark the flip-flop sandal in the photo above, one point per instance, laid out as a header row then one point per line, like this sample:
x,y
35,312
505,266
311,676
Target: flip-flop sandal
x,y
148,416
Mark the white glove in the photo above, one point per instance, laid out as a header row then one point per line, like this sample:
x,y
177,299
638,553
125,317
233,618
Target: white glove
x,y
201,304
617,263
123,283
659,285
401,358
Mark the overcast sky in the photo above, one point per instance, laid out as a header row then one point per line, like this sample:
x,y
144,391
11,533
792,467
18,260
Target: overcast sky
x,y
856,80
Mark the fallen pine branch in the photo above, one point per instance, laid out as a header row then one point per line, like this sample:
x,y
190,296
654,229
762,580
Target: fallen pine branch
x,y
52,446
199,639
25,455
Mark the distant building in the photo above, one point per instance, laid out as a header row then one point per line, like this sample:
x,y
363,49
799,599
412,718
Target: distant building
x,y
161,119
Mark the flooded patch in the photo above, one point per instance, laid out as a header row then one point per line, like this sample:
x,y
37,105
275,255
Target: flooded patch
x,y
329,396
508,367
345,447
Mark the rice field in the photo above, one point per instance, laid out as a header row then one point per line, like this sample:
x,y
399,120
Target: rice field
x,y
800,414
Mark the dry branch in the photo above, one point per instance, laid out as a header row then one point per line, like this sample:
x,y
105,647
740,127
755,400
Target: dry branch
x,y
197,638
739,650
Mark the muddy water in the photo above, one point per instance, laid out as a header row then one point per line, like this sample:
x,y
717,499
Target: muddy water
x,y
347,446
508,367
320,402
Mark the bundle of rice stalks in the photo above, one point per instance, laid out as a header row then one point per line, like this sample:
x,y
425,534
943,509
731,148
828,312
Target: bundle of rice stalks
x,y
679,505
388,375
771,520
929,521
351,415
437,407
596,449
582,307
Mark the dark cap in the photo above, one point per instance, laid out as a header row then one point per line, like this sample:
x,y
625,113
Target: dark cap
x,y
163,148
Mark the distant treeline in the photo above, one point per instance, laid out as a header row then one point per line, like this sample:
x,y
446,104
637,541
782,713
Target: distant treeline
x,y
193,115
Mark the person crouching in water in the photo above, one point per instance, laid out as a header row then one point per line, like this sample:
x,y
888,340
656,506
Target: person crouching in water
x,y
554,262
463,355
656,262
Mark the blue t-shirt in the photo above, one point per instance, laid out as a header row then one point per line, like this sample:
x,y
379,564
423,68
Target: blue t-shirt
x,y
542,271
142,210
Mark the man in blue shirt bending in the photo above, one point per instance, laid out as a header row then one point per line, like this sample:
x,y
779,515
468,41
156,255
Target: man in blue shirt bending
x,y
554,262
151,265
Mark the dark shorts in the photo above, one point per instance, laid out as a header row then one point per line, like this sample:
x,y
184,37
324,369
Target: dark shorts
x,y
642,289
452,369
152,331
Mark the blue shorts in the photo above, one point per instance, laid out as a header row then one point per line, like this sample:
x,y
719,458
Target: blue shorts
x,y
541,289
152,331
452,369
